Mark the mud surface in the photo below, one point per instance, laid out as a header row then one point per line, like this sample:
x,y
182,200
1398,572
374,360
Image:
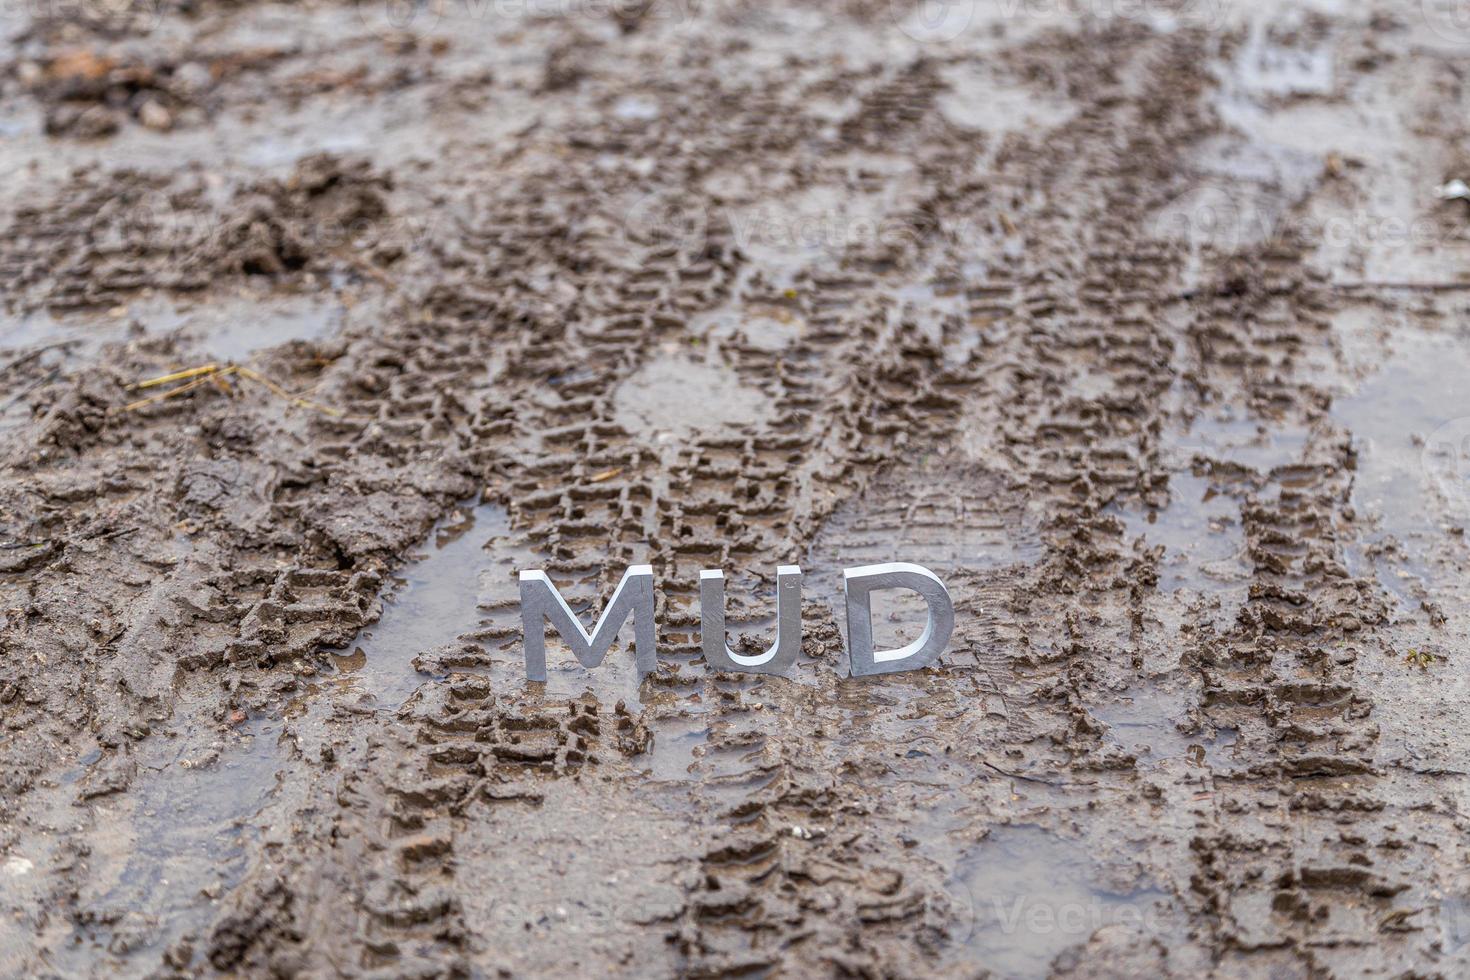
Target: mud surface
x,y
1142,324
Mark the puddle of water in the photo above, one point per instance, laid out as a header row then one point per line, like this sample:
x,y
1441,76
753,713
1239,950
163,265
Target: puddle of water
x,y
180,834
1288,108
434,603
20,332
1029,895
675,397
1240,440
1251,178
1243,196
979,99
225,329
804,227
465,589
236,327
678,745
1454,922
1419,388
231,327
1146,723
1204,543
1267,67
771,330
636,107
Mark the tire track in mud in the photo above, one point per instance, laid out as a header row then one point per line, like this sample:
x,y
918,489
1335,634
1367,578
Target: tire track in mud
x,y
1299,599
1279,875
1300,858
899,895
590,478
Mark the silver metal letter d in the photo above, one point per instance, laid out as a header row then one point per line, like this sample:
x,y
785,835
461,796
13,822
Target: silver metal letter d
x,y
782,654
859,584
540,603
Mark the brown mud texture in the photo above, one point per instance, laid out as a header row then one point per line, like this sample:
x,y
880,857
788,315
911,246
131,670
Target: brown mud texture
x,y
1142,324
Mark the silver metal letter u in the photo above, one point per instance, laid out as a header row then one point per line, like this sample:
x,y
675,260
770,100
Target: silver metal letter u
x,y
782,654
541,603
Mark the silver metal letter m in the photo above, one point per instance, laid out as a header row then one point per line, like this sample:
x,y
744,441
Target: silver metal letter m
x,y
541,603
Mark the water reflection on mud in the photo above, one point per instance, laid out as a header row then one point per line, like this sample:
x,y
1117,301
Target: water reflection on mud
x,y
177,839
1392,415
432,602
1023,896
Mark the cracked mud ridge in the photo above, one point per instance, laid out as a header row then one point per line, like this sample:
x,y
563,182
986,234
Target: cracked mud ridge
x,y
1142,325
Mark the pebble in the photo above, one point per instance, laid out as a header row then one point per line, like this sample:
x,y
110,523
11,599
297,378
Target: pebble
x,y
155,117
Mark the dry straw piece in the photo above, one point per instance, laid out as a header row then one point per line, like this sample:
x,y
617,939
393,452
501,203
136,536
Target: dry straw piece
x,y
216,374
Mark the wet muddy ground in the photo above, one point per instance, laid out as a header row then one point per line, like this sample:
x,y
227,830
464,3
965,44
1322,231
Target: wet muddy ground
x,y
1142,324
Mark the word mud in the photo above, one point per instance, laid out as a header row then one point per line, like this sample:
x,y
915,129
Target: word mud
x,y
541,604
